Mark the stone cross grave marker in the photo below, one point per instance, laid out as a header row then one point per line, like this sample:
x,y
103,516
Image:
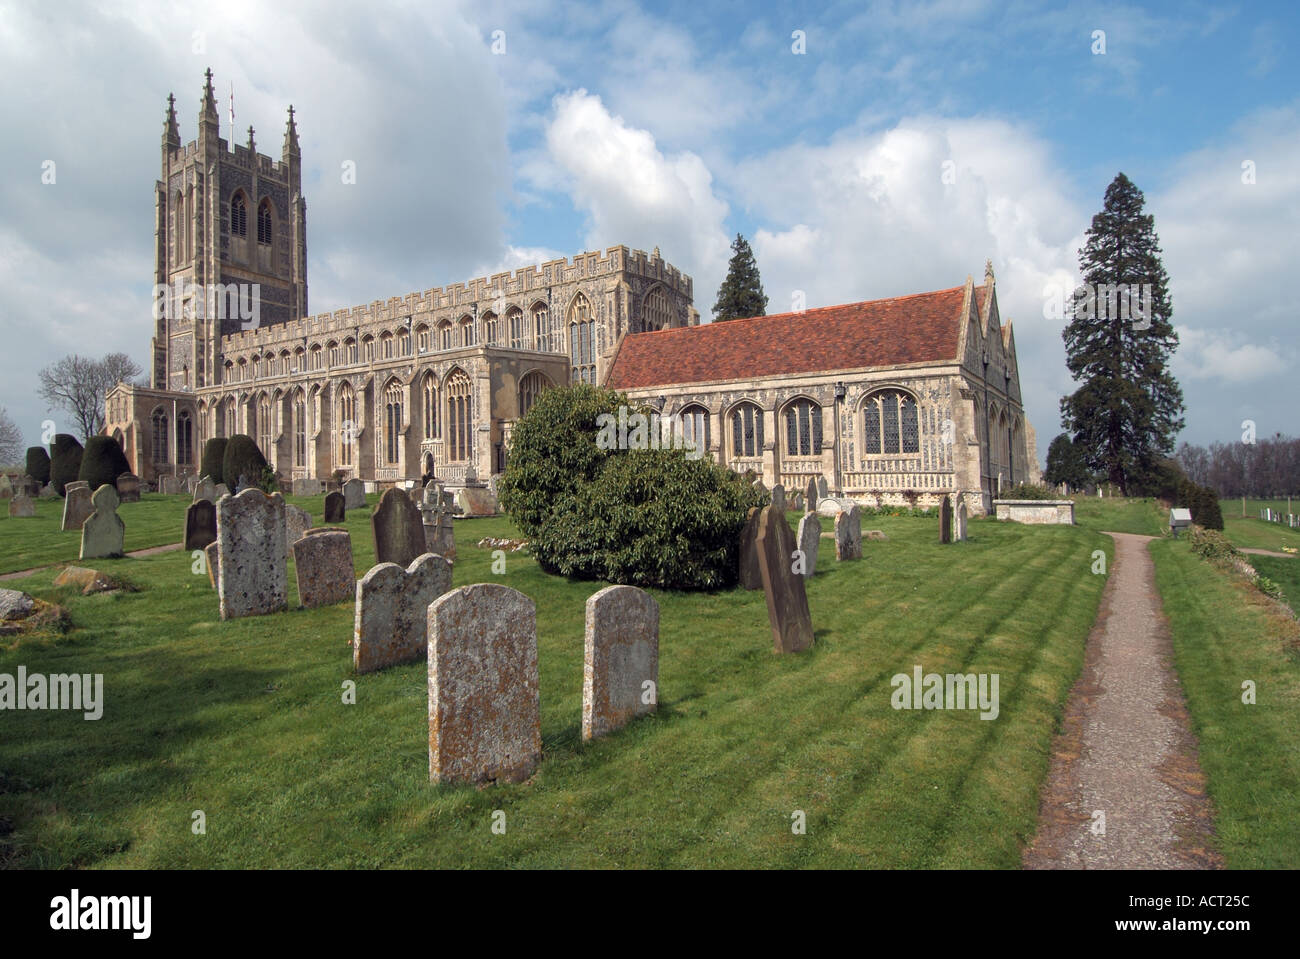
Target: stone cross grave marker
x,y
436,512
322,565
750,578
250,534
76,507
392,612
200,524
335,510
397,528
810,538
484,721
848,533
103,533
787,601
620,673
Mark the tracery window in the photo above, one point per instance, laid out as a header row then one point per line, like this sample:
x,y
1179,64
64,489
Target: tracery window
x,y
460,416
347,424
264,221
430,393
299,429
160,424
543,335
518,329
803,428
238,215
747,431
582,327
184,438
530,387
890,423
657,313
695,428
392,422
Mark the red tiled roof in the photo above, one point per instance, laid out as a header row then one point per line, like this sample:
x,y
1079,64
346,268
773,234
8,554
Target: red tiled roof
x,y
924,327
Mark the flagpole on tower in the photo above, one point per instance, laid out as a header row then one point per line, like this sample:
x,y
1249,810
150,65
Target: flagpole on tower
x,y
232,114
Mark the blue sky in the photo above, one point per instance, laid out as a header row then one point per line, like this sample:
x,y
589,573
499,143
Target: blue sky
x,y
678,126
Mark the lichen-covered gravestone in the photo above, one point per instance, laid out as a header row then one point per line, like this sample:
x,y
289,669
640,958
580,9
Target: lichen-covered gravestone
x,y
103,533
335,510
435,511
354,494
252,580
205,489
296,523
200,524
392,612
323,568
128,488
787,601
945,520
76,507
397,528
748,558
620,675
476,501
848,533
810,538
484,720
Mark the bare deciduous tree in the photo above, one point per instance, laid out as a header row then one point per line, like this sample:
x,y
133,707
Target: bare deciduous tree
x,y
78,385
11,440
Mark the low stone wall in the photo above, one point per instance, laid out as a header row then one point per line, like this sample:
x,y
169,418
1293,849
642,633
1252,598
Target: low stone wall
x,y
1041,512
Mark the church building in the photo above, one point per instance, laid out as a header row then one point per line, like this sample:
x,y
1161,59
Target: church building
x,y
897,401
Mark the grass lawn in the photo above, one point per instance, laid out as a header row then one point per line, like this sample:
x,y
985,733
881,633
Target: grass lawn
x,y
1258,533
1284,572
245,721
1224,633
1115,515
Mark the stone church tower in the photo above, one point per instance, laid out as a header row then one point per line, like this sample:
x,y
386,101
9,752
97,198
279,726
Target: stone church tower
x,y
230,245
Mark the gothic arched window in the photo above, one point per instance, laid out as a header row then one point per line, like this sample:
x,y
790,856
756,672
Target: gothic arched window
x,y
695,428
746,431
582,330
530,387
263,430
890,424
238,215
392,422
264,221
184,438
347,424
159,421
430,393
460,416
657,313
543,335
518,330
299,429
803,428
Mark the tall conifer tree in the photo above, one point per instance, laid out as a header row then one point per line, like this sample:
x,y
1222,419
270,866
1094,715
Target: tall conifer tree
x,y
741,293
1128,408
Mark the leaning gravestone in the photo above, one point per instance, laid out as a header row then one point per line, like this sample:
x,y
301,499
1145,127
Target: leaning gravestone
x,y
810,495
778,497
848,534
810,538
787,601
323,568
483,702
128,488
205,489
296,523
354,494
103,533
945,520
200,525
76,507
750,578
392,611
21,507
335,511
621,658
250,534
960,521
397,528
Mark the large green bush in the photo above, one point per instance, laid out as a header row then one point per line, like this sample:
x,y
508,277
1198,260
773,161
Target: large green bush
x,y
636,517
65,461
102,462
1029,491
38,464
242,458
1203,503
214,455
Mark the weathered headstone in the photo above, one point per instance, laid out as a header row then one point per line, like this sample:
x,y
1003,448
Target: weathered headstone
x,y
200,524
323,568
22,507
810,495
296,522
128,488
787,600
252,580
397,528
76,507
620,674
476,501
335,511
169,486
848,533
27,486
212,557
306,487
810,538
103,533
959,522
191,484
778,497
945,520
76,484
392,611
435,511
484,720
205,489
822,489
750,578
47,492
220,490
354,494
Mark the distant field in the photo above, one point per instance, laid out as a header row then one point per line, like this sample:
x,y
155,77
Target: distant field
x,y
1259,534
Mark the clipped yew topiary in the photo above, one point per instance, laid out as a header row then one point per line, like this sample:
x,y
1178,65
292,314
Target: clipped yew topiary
x,y
102,462
38,464
243,458
214,455
65,461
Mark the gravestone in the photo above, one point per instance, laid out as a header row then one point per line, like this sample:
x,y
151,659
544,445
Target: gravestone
x,y
47,492
200,525
822,490
335,511
296,522
128,488
212,557
76,484
22,507
6,487
306,487
750,578
252,580
796,500
435,512
621,657
810,495
27,486
76,507
354,494
778,497
392,611
191,484
169,486
787,601
323,568
476,501
945,520
220,490
810,538
848,534
103,533
206,489
959,523
397,528
483,701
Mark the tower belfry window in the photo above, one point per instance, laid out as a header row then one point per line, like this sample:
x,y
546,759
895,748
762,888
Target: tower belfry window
x,y
238,216
264,222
